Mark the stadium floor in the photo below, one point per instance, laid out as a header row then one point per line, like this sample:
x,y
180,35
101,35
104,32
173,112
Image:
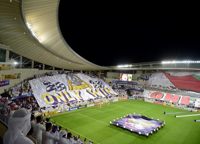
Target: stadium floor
x,y
94,123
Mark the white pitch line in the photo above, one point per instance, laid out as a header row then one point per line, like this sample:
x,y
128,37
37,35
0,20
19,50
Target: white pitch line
x,y
168,113
188,115
197,120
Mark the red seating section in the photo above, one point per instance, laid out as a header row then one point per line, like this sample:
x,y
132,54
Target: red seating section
x,y
185,100
156,95
168,97
175,99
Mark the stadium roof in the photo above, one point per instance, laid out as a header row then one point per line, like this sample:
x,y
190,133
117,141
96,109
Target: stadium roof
x,y
30,28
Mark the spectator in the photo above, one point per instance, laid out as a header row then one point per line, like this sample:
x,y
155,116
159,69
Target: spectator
x,y
79,140
63,139
55,132
30,136
19,125
33,120
38,129
47,136
69,138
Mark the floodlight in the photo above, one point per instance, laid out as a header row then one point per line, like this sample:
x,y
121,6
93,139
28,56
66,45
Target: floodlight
x,y
29,25
124,66
180,62
15,63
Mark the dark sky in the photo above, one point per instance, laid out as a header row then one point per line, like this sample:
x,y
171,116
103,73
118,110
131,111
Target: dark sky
x,y
119,32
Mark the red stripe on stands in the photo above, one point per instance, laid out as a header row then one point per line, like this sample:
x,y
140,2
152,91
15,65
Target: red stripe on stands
x,y
184,82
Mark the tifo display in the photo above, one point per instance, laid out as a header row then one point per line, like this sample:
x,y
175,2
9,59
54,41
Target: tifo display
x,y
139,124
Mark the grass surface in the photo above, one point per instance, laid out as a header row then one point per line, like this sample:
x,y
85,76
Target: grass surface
x,y
94,123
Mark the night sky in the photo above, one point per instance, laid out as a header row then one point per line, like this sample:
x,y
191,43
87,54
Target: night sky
x,y
119,32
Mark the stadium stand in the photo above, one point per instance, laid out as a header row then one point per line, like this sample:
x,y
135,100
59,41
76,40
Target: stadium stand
x,y
80,90
168,97
187,82
175,99
156,95
75,87
185,100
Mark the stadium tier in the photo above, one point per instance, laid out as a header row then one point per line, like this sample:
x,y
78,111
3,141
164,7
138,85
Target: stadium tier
x,y
187,82
54,93
179,80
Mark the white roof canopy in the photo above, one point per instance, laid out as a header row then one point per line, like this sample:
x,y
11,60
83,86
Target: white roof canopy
x,y
31,29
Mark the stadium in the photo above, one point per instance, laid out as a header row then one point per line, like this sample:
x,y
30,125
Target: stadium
x,y
49,94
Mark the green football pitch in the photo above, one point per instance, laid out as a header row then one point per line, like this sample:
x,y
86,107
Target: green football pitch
x,y
94,124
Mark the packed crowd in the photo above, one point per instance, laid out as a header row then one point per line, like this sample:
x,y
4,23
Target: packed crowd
x,y
18,107
42,131
8,106
24,128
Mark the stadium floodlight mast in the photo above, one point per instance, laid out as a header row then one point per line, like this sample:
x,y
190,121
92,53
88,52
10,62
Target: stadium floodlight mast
x,y
181,62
